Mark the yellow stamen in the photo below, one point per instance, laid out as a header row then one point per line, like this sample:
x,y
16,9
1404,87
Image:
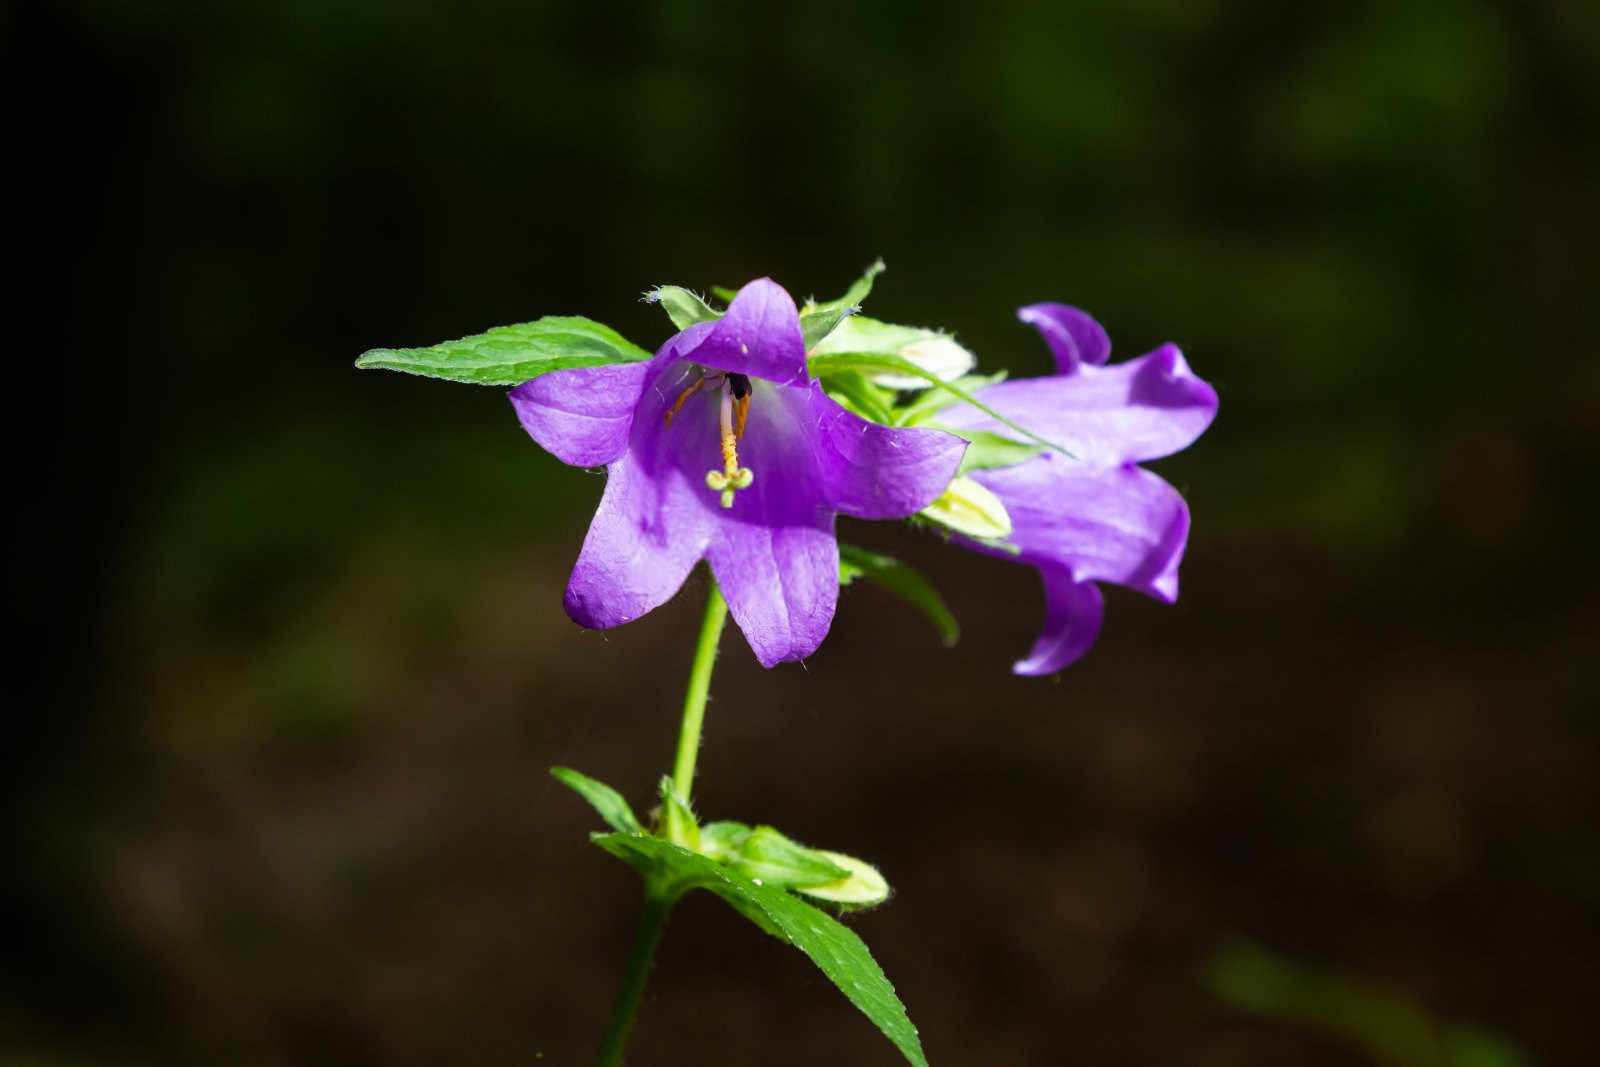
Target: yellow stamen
x,y
731,476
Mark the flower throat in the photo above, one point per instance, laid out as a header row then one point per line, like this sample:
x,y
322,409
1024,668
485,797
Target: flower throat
x,y
734,411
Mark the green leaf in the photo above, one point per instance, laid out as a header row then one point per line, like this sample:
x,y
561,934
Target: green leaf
x,y
723,293
905,582
605,800
934,401
821,366
989,450
836,950
511,355
683,307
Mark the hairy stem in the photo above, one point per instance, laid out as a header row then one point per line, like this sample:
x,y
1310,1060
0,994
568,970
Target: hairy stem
x,y
651,924
694,709
658,901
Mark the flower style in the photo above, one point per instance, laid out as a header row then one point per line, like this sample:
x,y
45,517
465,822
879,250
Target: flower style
x,y
723,447
1098,517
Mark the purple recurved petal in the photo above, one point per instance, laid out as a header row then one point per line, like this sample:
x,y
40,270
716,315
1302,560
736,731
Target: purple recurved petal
x,y
759,336
878,472
1074,337
774,552
1141,409
1122,524
581,416
655,517
1073,611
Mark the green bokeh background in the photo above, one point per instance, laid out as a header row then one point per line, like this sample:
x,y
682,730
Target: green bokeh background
x,y
296,659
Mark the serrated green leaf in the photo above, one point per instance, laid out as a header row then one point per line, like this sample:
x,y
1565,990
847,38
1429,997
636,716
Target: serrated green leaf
x,y
821,366
905,582
934,401
511,355
986,451
605,800
682,306
836,950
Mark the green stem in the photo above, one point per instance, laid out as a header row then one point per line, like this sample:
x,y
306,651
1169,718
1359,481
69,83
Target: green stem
x,y
651,924
656,902
694,709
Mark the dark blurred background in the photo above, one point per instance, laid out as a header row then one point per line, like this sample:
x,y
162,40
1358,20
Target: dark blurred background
x,y
290,659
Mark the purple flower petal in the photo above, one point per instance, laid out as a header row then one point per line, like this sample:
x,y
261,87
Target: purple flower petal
x,y
879,472
1122,525
1073,611
774,552
1074,337
656,516
759,336
581,416
1142,409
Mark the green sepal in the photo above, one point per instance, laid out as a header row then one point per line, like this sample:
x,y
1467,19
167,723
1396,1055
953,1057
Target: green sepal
x,y
986,451
853,296
682,306
933,401
825,364
905,582
511,355
606,801
859,395
670,871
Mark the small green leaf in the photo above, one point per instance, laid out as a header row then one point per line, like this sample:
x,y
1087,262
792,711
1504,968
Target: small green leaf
x,y
605,800
821,366
986,451
817,325
683,307
679,820
836,950
905,582
511,355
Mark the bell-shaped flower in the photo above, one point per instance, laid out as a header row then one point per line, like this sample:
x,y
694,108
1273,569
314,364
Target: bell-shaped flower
x,y
1094,516
722,447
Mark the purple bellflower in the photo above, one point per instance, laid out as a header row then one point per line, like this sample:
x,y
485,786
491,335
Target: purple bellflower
x,y
723,448
1098,517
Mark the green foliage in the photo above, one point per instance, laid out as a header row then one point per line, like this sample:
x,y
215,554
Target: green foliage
x,y
829,364
905,582
670,871
818,321
861,396
605,800
1386,1024
511,355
